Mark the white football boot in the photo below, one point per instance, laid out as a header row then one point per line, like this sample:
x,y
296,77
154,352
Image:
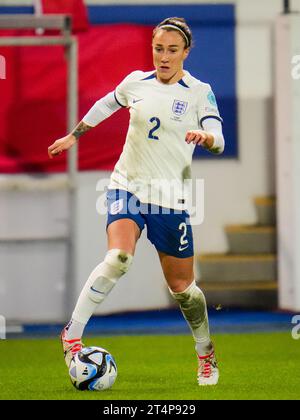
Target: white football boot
x,y
208,372
70,347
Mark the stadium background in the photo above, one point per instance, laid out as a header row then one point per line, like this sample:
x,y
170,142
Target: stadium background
x,y
235,52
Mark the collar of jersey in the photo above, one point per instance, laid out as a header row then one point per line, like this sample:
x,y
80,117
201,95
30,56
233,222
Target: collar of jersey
x,y
181,81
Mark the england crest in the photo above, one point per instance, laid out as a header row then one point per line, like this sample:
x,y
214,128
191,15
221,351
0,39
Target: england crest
x,y
179,107
117,206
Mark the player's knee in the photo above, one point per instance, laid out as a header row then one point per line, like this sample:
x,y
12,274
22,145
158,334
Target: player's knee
x,y
119,260
182,287
192,292
105,275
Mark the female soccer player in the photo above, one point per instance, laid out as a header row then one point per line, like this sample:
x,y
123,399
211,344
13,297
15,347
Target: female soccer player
x,y
170,113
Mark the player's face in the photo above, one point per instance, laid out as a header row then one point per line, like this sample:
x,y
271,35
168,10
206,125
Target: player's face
x,y
169,53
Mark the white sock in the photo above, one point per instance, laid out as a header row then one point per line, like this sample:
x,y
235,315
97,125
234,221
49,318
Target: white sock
x,y
99,284
204,348
74,330
193,307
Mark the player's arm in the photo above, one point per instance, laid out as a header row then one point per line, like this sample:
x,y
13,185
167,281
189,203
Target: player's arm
x,y
101,110
211,137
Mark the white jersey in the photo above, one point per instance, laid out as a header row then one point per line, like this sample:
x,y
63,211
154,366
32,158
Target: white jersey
x,y
156,161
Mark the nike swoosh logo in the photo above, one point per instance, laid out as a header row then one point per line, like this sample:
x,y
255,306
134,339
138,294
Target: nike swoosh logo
x,y
137,100
97,291
182,249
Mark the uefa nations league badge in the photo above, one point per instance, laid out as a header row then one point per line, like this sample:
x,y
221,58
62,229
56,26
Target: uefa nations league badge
x,y
211,98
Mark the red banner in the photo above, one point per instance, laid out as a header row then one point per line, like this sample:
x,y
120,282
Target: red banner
x,y
75,8
33,98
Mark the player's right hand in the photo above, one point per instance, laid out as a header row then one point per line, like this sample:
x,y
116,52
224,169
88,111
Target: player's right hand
x,y
60,145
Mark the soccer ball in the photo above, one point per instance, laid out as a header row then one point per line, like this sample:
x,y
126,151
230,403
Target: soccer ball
x,y
93,369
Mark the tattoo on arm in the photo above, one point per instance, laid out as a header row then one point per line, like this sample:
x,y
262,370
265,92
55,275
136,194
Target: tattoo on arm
x,y
80,130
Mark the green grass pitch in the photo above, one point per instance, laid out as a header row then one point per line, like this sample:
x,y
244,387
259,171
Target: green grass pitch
x,y
252,366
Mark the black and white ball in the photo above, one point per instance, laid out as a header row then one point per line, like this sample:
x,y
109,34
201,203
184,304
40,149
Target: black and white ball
x,y
93,369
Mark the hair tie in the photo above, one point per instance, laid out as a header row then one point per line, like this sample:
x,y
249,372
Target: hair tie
x,y
178,29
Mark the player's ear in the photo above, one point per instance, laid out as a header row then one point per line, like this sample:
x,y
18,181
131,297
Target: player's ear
x,y
186,53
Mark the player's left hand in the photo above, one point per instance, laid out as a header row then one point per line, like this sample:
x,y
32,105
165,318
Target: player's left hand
x,y
199,137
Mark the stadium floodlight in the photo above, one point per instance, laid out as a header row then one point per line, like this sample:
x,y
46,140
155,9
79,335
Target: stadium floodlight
x,y
63,23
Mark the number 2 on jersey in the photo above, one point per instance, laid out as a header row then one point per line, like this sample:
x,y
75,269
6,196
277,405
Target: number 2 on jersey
x,y
151,135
